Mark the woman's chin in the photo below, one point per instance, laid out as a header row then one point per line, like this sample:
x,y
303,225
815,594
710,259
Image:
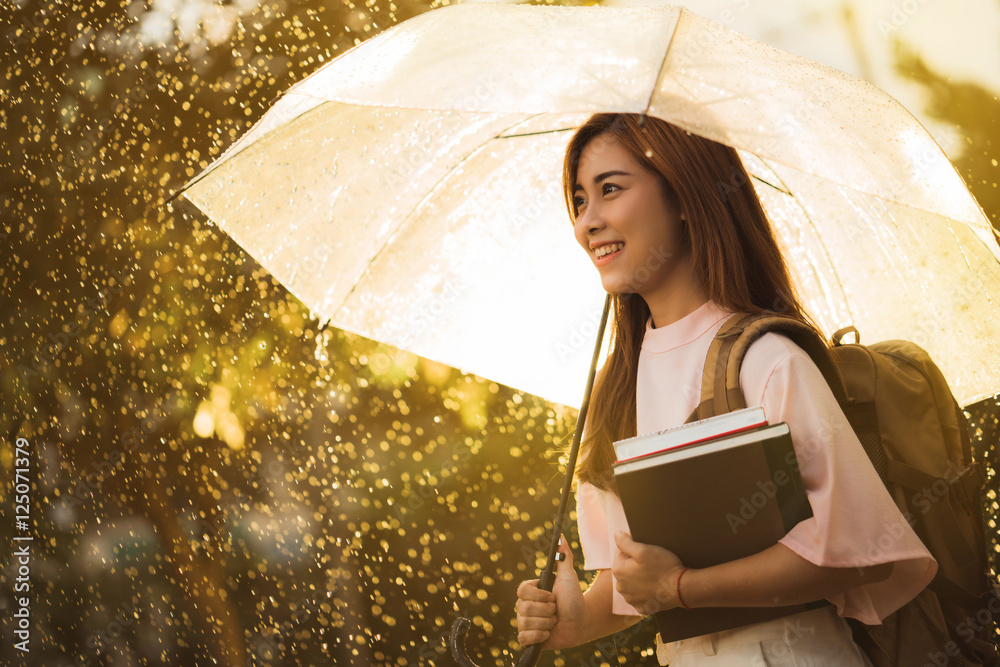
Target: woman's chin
x,y
612,286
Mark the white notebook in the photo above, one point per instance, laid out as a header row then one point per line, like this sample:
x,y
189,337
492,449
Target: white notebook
x,y
729,423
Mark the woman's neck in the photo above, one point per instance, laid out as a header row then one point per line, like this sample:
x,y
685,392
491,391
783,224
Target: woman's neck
x,y
675,300
674,311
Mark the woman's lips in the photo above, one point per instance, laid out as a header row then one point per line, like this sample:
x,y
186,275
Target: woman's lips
x,y
601,261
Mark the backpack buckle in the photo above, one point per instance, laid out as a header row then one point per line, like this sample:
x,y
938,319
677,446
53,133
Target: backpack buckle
x,y
732,333
966,485
737,324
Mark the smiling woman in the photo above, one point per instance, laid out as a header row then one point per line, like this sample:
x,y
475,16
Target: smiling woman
x,y
674,227
627,218
694,236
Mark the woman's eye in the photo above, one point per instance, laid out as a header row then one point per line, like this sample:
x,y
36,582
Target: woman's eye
x,y
607,188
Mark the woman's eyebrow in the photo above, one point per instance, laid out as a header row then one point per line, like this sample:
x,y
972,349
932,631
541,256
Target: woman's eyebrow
x,y
601,177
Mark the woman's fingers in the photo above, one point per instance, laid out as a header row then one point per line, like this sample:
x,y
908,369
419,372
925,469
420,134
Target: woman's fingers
x,y
536,622
529,590
536,613
534,629
526,608
530,637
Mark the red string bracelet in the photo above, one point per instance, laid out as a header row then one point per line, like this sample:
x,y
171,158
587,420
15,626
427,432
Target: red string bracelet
x,y
679,598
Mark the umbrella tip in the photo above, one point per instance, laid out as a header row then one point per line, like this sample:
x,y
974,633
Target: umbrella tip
x,y
642,120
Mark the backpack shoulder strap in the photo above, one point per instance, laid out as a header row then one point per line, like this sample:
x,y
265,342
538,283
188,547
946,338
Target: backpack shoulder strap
x,y
720,385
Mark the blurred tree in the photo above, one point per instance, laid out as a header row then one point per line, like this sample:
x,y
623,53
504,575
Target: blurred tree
x,y
974,110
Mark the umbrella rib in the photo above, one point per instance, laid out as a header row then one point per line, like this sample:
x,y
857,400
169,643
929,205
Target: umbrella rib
x,y
760,135
719,100
816,229
976,274
870,193
889,245
663,63
532,134
779,188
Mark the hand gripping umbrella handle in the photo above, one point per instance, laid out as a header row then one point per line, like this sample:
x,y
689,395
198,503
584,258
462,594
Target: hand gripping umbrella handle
x,y
547,577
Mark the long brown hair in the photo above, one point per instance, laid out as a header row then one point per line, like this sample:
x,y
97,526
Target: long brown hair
x,y
734,254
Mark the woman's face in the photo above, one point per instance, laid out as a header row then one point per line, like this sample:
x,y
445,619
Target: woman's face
x,y
625,222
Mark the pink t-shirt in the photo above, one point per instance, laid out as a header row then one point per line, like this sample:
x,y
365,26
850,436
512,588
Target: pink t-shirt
x,y
855,522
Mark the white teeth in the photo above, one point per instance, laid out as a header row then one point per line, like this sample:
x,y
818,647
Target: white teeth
x,y
608,249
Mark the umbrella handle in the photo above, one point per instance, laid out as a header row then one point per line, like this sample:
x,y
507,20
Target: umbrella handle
x,y
460,629
547,578
461,626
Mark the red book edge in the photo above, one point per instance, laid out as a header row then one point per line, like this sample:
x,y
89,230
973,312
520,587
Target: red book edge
x,y
695,442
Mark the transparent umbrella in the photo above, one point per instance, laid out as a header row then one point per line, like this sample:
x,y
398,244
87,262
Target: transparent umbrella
x,y
409,191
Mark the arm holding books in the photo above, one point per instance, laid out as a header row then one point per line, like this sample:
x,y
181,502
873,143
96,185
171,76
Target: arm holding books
x,y
856,550
647,578
567,616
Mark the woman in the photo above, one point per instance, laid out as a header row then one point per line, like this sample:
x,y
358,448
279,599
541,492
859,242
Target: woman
x,y
674,227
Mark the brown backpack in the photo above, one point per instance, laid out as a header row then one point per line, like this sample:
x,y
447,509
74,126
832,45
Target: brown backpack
x,y
915,434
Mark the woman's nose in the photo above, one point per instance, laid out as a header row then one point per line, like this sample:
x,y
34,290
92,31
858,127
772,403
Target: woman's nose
x,y
591,221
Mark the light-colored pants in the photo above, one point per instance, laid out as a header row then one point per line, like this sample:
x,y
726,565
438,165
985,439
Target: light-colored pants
x,y
811,639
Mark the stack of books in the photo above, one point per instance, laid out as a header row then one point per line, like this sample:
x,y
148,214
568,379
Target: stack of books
x,y
713,491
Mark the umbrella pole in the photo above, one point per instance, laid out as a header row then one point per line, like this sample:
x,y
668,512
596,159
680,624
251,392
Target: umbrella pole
x,y
547,577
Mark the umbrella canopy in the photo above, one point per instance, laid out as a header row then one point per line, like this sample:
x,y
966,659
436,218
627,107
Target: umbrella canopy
x,y
409,190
